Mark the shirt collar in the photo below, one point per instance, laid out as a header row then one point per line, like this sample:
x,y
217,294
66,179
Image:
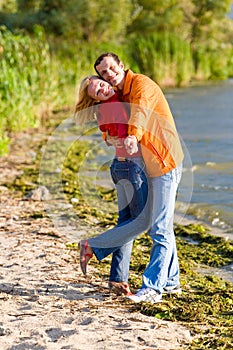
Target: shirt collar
x,y
128,79
127,83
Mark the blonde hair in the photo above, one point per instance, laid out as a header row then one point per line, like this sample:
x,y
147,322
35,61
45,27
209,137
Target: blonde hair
x,y
85,108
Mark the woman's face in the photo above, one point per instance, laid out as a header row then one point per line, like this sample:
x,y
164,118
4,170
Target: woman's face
x,y
100,90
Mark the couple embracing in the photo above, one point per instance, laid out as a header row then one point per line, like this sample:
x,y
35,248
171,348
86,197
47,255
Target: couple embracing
x,y
134,116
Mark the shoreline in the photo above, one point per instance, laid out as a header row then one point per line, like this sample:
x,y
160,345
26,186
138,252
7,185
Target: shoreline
x,y
47,304
181,219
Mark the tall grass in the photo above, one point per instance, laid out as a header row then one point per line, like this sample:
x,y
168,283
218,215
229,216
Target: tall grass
x,y
164,57
27,81
170,60
37,75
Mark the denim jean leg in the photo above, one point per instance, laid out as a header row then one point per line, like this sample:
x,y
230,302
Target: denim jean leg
x,y
111,240
131,192
121,257
120,263
163,268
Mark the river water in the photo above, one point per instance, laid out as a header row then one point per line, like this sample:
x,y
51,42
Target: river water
x,y
204,119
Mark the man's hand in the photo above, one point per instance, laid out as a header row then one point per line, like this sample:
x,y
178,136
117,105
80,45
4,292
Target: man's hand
x,y
131,144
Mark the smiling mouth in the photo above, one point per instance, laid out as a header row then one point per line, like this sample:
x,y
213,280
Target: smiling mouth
x,y
107,91
112,78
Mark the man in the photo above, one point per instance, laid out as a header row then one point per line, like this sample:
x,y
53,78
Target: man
x,y
151,123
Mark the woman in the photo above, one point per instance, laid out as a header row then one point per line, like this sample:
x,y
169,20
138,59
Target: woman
x,y
97,99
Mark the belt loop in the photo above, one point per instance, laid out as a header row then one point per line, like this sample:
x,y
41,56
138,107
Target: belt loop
x,y
121,159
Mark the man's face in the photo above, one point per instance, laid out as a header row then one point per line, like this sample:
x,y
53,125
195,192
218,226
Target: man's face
x,y
112,72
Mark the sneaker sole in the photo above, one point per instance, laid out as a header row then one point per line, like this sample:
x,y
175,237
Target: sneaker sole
x,y
131,298
173,291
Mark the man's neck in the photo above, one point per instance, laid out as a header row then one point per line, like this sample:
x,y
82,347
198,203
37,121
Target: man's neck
x,y
121,85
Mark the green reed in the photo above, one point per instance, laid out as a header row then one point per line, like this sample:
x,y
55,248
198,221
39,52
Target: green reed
x,y
39,74
27,81
164,57
169,59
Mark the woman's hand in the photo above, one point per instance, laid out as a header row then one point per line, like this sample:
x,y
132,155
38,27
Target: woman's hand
x,y
113,140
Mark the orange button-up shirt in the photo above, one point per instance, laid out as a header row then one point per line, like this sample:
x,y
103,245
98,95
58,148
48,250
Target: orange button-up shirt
x,y
152,123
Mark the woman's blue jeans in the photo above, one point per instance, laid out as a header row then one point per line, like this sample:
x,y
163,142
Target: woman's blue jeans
x,y
132,191
157,215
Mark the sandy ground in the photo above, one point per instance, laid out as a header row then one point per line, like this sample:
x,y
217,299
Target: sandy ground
x,y
45,301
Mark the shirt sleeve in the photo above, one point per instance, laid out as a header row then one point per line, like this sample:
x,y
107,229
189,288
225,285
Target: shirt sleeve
x,y
147,100
143,98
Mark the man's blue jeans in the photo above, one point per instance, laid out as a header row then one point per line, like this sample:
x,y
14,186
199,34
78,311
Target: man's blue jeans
x,y
157,215
163,268
132,192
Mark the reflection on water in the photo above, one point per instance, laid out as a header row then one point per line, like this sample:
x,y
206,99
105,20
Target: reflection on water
x,y
204,119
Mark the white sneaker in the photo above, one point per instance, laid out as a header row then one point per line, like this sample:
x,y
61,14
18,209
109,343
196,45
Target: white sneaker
x,y
172,290
146,294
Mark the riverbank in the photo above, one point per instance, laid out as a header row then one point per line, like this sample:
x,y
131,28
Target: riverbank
x,y
46,303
